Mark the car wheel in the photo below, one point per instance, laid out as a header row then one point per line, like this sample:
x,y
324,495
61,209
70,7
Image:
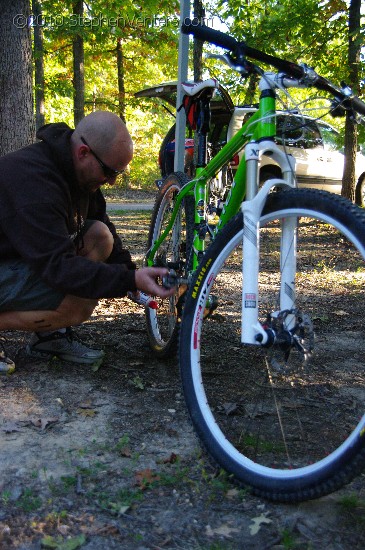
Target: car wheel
x,y
360,191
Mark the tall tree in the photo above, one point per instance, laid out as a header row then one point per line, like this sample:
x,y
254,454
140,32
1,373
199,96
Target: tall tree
x,y
121,84
38,64
16,113
199,14
78,66
354,48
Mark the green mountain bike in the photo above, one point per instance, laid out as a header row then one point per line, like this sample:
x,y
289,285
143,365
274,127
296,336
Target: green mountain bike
x,y
268,301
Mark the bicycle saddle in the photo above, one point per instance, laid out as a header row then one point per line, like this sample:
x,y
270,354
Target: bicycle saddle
x,y
193,88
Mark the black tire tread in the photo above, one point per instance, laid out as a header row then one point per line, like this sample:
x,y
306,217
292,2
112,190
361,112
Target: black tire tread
x,y
354,218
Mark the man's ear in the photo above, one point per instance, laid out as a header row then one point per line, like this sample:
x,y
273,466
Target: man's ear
x,y
82,151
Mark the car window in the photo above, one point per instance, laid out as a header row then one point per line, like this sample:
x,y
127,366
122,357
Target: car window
x,y
295,131
332,140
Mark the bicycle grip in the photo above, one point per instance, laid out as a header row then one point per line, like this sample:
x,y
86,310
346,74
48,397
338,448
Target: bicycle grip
x,y
229,43
202,32
358,105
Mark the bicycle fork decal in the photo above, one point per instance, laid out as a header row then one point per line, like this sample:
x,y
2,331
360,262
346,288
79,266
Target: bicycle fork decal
x,y
250,300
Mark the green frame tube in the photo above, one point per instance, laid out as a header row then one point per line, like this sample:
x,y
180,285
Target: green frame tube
x,y
262,125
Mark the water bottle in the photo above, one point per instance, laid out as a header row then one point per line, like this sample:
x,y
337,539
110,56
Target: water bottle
x,y
143,299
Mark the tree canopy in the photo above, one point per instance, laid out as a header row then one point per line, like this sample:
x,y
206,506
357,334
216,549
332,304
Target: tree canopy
x,y
127,46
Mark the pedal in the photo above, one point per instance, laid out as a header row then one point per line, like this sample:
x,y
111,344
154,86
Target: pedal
x,y
172,280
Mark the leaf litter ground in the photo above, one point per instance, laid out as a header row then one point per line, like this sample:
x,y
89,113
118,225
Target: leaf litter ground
x,y
107,459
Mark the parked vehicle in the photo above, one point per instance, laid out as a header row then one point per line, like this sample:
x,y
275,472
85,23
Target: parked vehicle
x,y
315,144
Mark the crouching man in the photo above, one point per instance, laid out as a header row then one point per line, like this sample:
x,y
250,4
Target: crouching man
x,y
59,252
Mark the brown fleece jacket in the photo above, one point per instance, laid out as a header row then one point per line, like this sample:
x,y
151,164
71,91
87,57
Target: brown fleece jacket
x,y
41,206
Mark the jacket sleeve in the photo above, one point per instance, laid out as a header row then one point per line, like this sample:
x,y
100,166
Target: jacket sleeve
x,y
42,241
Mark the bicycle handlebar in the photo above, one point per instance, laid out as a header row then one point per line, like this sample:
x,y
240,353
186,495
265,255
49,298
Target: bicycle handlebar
x,y
241,49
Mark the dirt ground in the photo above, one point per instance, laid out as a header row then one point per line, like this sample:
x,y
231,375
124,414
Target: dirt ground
x,y
107,459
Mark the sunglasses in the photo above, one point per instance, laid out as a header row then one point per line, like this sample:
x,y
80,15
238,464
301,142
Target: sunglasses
x,y
108,172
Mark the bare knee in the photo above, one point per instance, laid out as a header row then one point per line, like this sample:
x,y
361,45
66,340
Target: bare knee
x,y
98,242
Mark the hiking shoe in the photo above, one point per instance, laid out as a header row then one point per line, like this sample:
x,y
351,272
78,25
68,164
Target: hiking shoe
x,y
7,366
64,345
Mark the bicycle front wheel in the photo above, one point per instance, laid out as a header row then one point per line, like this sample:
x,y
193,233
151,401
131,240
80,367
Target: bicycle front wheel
x,y
175,252
289,426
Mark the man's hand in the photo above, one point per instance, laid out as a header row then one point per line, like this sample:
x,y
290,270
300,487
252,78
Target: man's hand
x,y
146,280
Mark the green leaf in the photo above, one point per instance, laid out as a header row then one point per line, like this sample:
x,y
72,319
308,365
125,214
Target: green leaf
x,y
60,544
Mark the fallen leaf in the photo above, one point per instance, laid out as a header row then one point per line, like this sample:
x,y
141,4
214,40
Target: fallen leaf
x,y
43,422
60,544
96,366
145,478
118,509
137,383
169,460
257,522
125,451
87,412
232,493
224,530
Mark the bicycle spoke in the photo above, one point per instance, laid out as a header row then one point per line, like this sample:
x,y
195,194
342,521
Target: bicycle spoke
x,y
289,407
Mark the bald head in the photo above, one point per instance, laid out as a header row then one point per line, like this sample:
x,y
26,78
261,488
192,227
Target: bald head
x,y
106,133
100,135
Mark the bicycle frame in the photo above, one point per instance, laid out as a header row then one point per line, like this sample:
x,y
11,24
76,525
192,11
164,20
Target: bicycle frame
x,y
256,136
257,127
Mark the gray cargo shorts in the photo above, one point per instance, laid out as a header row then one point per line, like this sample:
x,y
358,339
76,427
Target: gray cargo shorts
x,y
21,289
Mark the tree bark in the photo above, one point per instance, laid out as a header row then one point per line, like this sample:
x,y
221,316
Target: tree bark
x,y
199,14
38,53
78,68
16,113
348,179
121,85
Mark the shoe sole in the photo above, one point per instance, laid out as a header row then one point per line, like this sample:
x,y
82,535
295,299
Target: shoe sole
x,y
69,358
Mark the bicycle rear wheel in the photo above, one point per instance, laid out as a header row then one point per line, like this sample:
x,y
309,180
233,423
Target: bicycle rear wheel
x,y
175,253
290,429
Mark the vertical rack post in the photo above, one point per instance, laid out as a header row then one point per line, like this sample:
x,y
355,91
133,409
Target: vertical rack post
x,y
183,61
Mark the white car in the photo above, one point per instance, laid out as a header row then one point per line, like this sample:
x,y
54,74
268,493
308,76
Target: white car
x,y
316,147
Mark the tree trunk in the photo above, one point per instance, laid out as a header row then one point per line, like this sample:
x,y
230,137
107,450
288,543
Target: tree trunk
x,y
38,52
16,112
78,68
199,14
121,86
251,88
348,179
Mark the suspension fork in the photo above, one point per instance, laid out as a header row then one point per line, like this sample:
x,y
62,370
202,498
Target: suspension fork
x,y
252,332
